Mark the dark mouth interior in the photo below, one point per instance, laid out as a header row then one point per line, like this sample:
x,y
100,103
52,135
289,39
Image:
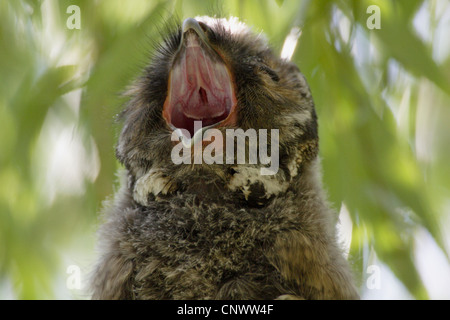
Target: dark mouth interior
x,y
181,118
188,123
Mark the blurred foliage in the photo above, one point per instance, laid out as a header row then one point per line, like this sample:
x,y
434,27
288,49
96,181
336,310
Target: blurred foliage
x,y
382,97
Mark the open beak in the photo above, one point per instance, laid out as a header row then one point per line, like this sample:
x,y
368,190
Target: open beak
x,y
200,85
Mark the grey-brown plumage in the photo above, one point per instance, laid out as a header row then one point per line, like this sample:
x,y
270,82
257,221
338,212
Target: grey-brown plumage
x,y
221,231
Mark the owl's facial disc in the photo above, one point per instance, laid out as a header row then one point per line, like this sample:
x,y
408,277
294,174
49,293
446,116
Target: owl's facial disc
x,y
200,84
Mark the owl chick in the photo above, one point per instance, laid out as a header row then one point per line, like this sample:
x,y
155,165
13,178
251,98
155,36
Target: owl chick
x,y
219,230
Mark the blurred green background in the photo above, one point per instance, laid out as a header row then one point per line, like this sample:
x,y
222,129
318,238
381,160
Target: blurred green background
x,y
382,96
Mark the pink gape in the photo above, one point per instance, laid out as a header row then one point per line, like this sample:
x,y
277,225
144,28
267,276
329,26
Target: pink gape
x,y
200,86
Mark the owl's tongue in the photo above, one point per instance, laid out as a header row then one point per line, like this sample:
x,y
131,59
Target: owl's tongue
x,y
200,86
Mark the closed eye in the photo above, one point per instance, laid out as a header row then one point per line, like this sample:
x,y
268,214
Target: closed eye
x,y
272,74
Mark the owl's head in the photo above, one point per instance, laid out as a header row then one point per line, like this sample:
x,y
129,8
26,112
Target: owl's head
x,y
207,78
